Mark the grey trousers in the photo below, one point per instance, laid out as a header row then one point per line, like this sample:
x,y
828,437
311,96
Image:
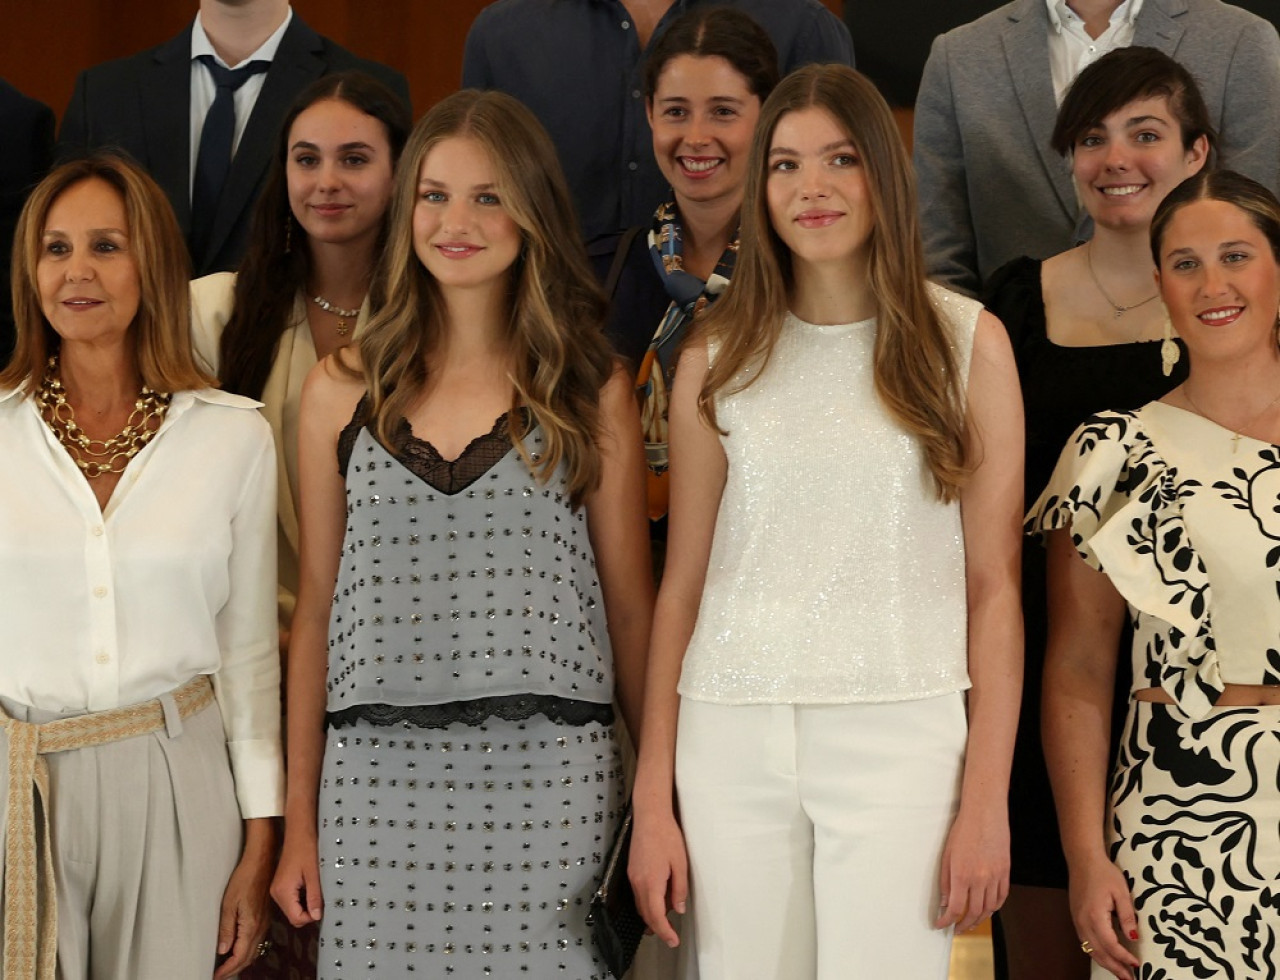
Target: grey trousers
x,y
145,833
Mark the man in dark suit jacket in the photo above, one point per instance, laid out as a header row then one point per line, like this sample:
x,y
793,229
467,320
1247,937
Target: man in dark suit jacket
x,y
142,104
27,126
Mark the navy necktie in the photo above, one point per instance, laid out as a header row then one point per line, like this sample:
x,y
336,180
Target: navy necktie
x,y
216,139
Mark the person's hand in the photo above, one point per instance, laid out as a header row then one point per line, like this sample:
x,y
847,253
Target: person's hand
x,y
1099,899
243,921
974,879
659,871
296,887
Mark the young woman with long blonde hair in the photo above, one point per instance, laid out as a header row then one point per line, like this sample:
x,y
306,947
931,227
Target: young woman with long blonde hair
x,y
475,580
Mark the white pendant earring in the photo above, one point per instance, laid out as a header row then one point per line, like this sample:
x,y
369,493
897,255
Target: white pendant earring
x,y
1170,352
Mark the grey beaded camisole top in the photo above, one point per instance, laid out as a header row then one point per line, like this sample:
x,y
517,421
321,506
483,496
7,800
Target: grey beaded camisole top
x,y
484,600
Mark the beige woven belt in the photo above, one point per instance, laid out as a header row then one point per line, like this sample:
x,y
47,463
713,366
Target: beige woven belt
x,y
30,891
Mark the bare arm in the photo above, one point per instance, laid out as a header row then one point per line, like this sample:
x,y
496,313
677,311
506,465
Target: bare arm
x,y
1085,618
975,865
658,866
328,400
619,532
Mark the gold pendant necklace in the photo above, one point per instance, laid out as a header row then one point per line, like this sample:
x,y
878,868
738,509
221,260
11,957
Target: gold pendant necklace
x,y
1236,434
1119,310
342,315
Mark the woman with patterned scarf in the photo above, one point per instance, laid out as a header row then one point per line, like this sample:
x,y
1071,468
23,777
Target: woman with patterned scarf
x,y
704,82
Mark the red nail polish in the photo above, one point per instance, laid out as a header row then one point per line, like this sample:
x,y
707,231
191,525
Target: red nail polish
x,y
1133,934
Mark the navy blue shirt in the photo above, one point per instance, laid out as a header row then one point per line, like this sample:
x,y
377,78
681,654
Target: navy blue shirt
x,y
578,65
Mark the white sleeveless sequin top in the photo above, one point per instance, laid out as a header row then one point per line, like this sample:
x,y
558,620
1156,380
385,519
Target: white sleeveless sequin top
x,y
836,575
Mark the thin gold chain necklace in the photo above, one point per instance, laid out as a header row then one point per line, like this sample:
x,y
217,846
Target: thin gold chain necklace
x,y
1119,310
1236,434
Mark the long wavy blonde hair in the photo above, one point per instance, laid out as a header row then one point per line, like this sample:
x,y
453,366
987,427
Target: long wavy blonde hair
x,y
556,310
916,372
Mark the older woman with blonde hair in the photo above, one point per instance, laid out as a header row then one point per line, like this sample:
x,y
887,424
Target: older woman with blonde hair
x,y
139,689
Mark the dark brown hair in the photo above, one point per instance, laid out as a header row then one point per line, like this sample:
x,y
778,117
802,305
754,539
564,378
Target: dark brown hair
x,y
716,32
277,262
916,373
161,328
1245,193
1123,76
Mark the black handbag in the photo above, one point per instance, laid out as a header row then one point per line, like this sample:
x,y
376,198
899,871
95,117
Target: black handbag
x,y
616,925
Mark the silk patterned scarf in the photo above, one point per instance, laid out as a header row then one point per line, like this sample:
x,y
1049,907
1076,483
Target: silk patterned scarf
x,y
689,296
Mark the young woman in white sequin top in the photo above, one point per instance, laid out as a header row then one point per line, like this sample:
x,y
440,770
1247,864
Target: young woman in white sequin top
x,y
846,449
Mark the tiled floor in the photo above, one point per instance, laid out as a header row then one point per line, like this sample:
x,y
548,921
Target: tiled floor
x,y
971,955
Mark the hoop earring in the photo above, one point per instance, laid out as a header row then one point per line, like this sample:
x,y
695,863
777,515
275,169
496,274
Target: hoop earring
x,y
1170,353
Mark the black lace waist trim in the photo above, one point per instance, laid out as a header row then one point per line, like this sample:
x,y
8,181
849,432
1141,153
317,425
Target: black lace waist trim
x,y
476,711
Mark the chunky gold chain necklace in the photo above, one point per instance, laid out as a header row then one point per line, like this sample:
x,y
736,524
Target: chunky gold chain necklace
x,y
98,456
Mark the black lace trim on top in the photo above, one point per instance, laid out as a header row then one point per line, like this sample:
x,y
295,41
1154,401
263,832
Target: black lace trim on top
x,y
449,476
510,707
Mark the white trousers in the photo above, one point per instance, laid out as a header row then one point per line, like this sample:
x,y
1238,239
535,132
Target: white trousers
x,y
815,834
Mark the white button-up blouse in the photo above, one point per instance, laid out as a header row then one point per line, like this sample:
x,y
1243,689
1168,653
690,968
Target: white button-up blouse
x,y
175,578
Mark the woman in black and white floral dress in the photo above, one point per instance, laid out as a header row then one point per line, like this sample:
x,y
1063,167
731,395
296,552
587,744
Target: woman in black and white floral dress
x,y
1176,504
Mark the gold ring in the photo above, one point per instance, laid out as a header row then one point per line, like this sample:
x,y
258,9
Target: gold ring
x,y
263,947
1087,946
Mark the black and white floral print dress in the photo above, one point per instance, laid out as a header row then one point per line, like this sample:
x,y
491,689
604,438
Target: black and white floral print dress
x,y
1184,517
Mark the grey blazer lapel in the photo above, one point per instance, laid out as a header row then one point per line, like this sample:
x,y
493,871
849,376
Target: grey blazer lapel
x,y
1160,25
1025,40
295,65
166,118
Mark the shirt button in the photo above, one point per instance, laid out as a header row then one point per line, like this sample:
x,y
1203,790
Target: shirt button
x,y
103,658
633,165
97,531
636,93
100,591
626,25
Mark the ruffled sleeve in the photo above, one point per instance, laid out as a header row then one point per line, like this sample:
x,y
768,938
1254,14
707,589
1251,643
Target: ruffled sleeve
x,y
1123,504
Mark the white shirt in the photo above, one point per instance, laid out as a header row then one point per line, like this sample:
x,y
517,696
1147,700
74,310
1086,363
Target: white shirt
x,y
203,88
1071,49
175,579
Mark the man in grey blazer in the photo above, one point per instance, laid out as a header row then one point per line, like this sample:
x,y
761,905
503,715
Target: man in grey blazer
x,y
143,104
992,189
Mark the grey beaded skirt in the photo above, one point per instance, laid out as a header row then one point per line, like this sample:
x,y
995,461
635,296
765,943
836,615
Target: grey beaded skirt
x,y
467,851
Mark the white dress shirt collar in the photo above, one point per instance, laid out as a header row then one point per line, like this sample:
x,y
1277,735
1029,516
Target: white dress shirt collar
x,y
1071,49
200,43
